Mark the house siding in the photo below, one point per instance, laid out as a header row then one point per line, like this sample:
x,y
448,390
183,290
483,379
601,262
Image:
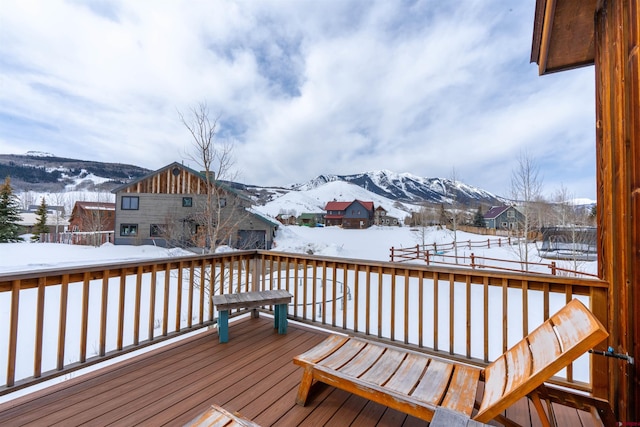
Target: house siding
x,y
160,202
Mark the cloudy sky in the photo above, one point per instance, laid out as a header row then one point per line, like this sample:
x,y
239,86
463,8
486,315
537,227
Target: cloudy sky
x,y
300,87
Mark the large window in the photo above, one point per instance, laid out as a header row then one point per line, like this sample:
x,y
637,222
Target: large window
x,y
129,203
128,229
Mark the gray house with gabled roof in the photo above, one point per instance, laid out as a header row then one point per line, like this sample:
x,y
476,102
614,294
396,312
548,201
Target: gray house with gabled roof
x,y
503,218
166,208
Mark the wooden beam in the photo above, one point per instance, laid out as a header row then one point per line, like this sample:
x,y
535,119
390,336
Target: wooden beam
x,y
618,185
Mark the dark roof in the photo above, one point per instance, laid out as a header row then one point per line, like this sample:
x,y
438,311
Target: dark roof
x,y
337,206
495,211
341,206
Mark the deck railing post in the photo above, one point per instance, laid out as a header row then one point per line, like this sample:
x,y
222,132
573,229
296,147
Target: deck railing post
x,y
256,273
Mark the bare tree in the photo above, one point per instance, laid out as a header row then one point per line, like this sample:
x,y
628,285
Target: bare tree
x,y
421,221
577,239
526,187
59,200
218,219
455,212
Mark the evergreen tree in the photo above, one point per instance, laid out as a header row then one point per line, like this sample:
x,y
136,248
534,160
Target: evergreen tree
x,y
40,226
9,214
478,219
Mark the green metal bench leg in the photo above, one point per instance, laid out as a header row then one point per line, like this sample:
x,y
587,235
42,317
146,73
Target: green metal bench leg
x,y
223,326
281,316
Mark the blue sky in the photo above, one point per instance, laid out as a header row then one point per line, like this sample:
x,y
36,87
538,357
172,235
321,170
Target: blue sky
x,y
300,87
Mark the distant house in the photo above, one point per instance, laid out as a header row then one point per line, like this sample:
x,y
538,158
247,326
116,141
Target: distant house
x,y
286,219
92,217
380,217
310,219
356,214
167,207
503,218
55,221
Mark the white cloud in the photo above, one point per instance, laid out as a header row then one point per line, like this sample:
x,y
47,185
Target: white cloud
x,y
302,87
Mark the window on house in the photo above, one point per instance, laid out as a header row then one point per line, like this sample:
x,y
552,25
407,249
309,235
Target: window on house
x,y
511,214
187,202
129,203
505,225
223,202
128,229
157,230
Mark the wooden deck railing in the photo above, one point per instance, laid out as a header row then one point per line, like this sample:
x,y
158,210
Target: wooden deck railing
x,y
69,318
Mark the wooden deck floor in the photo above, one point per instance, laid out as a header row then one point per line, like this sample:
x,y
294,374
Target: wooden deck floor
x,y
253,374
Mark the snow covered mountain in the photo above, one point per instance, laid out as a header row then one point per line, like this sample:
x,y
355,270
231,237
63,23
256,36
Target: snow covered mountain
x,y
44,172
295,202
405,187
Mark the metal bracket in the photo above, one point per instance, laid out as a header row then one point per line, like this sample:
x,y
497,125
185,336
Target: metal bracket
x,y
611,353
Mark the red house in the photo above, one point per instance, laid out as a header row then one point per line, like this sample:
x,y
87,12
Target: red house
x,y
356,214
92,217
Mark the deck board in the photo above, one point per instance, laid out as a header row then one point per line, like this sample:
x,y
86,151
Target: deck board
x,y
253,374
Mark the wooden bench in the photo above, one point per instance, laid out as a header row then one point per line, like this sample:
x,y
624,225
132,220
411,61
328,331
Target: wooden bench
x,y
220,417
277,297
418,384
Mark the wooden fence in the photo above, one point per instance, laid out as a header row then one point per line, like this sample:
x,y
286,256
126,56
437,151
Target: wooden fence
x,y
94,313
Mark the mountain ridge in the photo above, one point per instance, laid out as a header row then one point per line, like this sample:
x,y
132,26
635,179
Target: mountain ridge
x,y
37,171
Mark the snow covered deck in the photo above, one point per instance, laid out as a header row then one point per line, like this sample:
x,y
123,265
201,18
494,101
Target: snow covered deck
x,y
253,373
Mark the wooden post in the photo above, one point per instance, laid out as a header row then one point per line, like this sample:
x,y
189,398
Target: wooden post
x,y
257,273
426,257
617,63
391,253
473,261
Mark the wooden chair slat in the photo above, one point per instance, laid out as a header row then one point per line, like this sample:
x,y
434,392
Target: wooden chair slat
x,y
367,357
343,354
385,366
461,393
573,325
434,382
322,350
408,374
495,376
518,365
544,346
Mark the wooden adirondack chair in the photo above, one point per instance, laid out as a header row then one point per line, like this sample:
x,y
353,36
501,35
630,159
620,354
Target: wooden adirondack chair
x,y
418,384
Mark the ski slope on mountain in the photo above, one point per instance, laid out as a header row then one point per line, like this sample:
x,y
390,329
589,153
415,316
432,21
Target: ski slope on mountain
x,y
315,199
